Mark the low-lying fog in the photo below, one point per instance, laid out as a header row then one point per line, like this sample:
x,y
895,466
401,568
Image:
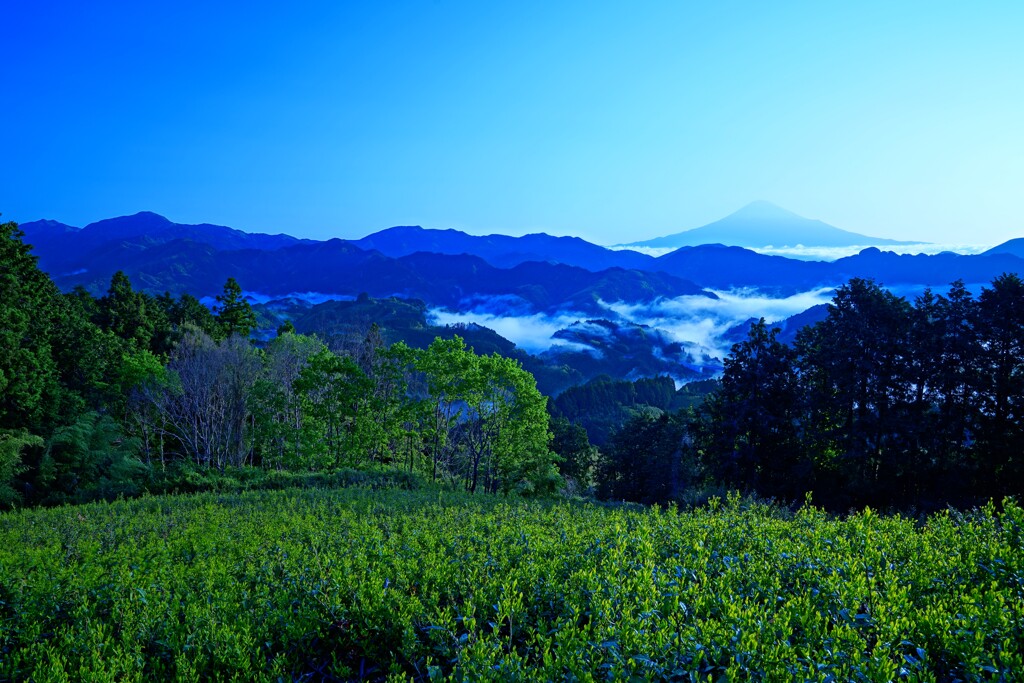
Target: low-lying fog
x,y
694,321
803,253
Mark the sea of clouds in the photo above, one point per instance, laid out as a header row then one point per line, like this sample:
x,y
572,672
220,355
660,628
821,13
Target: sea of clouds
x,y
697,322
803,253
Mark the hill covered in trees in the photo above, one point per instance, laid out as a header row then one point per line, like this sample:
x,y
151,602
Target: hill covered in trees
x,y
112,396
585,350
885,402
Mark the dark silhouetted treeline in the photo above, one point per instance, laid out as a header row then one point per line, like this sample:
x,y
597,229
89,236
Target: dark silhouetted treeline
x,y
887,403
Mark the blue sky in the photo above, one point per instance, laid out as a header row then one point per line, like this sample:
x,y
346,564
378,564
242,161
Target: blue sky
x,y
612,121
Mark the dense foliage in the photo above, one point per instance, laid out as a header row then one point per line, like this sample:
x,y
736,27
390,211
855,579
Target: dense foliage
x,y
357,585
114,396
884,402
888,403
897,405
603,404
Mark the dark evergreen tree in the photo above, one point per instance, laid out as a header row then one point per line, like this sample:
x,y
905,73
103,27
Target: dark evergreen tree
x,y
948,426
649,460
123,311
579,459
1000,321
187,311
32,395
234,314
856,369
756,413
88,357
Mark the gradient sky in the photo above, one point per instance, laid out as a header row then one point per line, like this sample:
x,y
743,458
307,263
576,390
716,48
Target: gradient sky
x,y
612,121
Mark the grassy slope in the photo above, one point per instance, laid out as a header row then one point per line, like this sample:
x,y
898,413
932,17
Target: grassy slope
x,y
328,585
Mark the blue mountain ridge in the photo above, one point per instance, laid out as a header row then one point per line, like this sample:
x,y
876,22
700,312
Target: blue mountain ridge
x,y
445,266
495,275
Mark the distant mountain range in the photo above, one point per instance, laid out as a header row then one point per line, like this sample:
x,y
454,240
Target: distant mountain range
x,y
761,224
502,251
61,246
626,305
448,267
340,268
1014,247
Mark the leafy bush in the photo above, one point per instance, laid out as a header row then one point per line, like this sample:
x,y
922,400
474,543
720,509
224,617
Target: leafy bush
x,y
185,477
90,459
11,446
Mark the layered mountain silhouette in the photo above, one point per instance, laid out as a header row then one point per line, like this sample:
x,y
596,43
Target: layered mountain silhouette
x,y
450,268
61,246
762,224
396,276
502,251
159,256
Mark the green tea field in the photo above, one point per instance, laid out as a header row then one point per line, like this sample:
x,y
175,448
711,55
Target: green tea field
x,y
426,585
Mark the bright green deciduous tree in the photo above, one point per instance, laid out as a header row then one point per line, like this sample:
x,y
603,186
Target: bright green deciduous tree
x,y
484,420
445,366
332,388
276,403
523,460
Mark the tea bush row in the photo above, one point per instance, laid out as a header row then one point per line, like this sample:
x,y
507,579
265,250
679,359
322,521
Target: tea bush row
x,y
430,585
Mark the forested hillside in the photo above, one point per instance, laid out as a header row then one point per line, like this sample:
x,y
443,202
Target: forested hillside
x,y
131,392
899,405
884,402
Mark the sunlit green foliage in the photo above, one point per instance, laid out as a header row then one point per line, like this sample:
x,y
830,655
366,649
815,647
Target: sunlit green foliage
x,y
354,584
483,420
